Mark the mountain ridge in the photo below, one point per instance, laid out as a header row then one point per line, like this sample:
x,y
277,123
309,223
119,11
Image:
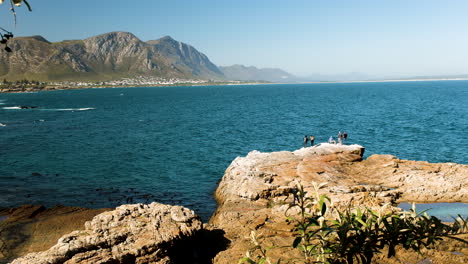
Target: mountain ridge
x,y
252,73
107,56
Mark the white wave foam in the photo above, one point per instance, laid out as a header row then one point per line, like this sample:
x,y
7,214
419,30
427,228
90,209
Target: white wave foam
x,y
11,107
2,125
70,109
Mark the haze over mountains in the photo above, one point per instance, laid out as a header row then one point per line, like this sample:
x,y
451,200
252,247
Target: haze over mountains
x,y
117,55
243,73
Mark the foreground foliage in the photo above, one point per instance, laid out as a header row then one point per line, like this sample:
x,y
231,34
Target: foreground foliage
x,y
354,235
6,35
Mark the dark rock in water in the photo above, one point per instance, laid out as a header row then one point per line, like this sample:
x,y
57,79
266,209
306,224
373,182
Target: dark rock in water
x,y
36,174
27,107
26,211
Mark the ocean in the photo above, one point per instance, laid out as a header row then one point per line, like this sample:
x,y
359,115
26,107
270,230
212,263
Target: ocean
x,y
105,147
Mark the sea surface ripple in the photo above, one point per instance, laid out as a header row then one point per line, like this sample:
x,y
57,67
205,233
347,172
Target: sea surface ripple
x,y
105,147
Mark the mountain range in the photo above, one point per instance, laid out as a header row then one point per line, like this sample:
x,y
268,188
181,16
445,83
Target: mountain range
x,y
244,73
117,55
108,56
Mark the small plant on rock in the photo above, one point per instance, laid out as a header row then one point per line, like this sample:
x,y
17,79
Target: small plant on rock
x,y
355,235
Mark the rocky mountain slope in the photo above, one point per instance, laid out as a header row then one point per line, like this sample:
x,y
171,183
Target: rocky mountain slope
x,y
244,73
108,56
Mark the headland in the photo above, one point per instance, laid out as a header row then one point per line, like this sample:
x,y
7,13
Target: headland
x,y
253,195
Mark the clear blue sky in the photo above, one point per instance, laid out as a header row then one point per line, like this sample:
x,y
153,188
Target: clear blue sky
x,y
379,38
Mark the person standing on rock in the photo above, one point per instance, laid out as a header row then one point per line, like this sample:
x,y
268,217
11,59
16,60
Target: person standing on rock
x,y
340,138
312,139
305,140
345,135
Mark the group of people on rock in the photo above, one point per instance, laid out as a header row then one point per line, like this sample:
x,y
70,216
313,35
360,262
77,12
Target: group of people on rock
x,y
307,139
341,137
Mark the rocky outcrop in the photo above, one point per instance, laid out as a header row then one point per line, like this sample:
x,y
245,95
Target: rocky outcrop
x,y
33,228
253,195
135,233
254,192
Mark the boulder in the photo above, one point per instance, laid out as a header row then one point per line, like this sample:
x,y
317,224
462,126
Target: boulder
x,y
136,233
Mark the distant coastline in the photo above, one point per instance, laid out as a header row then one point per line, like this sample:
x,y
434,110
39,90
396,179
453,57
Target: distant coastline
x,y
33,89
394,80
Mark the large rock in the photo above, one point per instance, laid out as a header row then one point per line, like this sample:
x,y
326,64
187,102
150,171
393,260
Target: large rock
x,y
33,228
135,233
254,192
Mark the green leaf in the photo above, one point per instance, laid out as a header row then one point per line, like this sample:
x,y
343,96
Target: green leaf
x,y
324,209
362,222
247,259
297,241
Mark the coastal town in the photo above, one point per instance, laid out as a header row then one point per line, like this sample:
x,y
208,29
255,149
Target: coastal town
x,y
138,81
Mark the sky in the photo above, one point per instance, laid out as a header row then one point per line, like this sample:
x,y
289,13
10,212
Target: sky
x,y
377,38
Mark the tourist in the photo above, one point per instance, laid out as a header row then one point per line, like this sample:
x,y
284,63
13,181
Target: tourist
x,y
331,140
345,135
340,138
305,140
311,138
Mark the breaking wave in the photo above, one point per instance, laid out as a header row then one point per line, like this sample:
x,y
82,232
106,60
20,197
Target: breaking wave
x,y
11,107
70,109
52,109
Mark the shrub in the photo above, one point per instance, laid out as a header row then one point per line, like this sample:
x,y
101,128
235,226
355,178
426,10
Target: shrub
x,y
354,235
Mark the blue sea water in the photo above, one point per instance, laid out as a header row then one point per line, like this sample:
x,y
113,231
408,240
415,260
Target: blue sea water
x,y
446,212
105,147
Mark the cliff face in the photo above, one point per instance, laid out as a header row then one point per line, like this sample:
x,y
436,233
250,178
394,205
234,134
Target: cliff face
x,y
104,57
183,55
253,193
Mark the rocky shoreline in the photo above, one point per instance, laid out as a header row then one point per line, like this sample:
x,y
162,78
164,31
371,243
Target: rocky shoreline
x,y
253,195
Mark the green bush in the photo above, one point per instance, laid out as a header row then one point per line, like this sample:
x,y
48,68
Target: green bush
x,y
354,235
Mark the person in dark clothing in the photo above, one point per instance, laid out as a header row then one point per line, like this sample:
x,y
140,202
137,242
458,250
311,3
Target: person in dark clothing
x,y
345,135
306,139
312,139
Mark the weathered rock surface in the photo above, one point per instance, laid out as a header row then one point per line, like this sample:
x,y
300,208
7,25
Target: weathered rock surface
x,y
135,233
253,193
33,228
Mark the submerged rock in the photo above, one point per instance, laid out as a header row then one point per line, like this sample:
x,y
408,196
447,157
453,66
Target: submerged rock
x,y
135,233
